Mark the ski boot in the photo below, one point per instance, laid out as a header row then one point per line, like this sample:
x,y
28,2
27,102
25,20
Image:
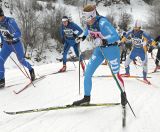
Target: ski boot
x,y
84,101
2,83
63,69
123,99
32,74
134,62
146,81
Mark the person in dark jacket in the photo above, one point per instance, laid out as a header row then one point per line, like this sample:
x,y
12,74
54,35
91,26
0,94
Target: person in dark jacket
x,y
69,31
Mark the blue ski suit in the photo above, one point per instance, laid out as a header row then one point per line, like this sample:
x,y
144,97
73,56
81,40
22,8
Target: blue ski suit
x,y
15,46
102,29
68,38
139,42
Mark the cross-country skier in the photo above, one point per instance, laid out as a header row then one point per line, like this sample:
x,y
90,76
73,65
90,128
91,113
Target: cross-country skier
x,y
155,43
69,31
139,42
10,35
105,37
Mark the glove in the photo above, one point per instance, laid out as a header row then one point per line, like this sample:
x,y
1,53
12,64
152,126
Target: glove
x,y
8,36
78,39
104,42
150,49
120,44
75,36
100,42
83,38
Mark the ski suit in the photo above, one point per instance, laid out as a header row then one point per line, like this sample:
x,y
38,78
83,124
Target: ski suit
x,y
15,46
68,38
102,29
139,41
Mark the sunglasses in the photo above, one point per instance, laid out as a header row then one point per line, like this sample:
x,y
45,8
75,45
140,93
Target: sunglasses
x,y
88,16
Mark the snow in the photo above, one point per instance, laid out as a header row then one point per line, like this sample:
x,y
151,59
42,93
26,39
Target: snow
x,y
61,89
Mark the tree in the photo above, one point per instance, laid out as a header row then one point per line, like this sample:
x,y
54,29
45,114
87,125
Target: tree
x,y
28,22
154,22
125,20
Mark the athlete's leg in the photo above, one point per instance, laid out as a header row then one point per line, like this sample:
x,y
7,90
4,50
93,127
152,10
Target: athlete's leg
x,y
92,65
65,51
112,54
129,59
18,50
4,53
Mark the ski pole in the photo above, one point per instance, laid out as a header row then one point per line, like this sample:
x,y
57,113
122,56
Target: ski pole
x,y
79,77
116,81
18,66
79,70
80,53
26,74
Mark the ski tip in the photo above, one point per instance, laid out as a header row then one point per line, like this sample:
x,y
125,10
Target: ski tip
x,y
15,92
9,113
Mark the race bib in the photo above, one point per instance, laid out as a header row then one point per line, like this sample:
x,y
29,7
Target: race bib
x,y
137,42
68,32
95,35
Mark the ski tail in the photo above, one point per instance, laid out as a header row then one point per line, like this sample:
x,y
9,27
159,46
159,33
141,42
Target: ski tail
x,y
29,84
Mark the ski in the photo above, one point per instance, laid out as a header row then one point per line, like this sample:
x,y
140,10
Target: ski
x,y
60,108
8,86
36,80
123,116
131,76
149,83
57,72
29,84
153,72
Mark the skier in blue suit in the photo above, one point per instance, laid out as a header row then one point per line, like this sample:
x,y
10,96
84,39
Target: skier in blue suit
x,y
10,37
69,31
105,39
139,41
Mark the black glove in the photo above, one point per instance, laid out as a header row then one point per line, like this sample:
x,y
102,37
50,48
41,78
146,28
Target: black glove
x,y
78,39
8,36
104,42
83,38
75,35
150,49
